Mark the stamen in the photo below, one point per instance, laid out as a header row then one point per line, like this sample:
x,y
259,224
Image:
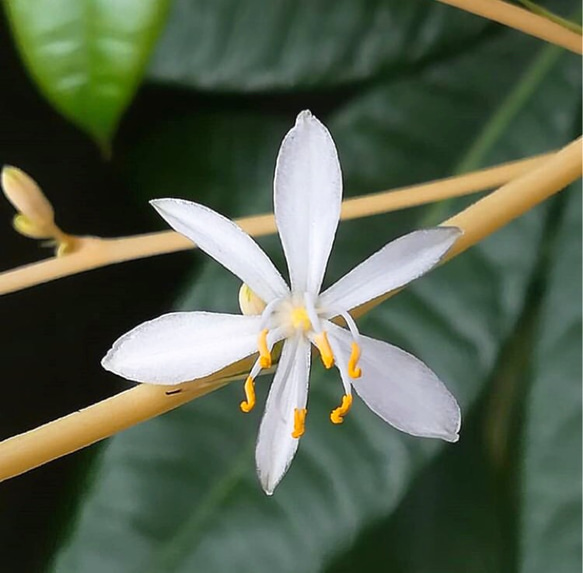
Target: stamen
x,y
299,422
248,404
337,415
353,370
264,353
322,344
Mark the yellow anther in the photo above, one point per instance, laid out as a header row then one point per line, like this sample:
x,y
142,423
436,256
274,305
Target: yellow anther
x,y
300,319
248,404
337,415
353,370
264,354
322,344
299,422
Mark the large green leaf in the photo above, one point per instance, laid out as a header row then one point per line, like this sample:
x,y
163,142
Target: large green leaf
x,y
290,44
455,518
448,523
180,492
87,56
551,490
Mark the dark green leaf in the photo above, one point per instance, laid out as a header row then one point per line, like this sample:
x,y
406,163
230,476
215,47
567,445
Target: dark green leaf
x,y
551,491
291,45
448,523
87,56
455,517
180,492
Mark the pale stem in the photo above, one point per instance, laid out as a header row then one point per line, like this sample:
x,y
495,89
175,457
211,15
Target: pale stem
x,y
523,20
94,252
65,435
499,208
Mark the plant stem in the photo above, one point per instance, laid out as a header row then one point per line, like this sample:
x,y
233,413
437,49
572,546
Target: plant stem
x,y
94,252
523,20
75,431
573,26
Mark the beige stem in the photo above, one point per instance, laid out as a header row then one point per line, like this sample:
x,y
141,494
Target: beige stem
x,y
91,253
523,20
507,203
65,435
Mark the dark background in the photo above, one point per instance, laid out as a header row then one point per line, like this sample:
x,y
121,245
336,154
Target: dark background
x,y
55,334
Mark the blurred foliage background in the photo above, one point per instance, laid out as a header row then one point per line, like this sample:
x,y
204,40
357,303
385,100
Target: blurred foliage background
x,y
109,104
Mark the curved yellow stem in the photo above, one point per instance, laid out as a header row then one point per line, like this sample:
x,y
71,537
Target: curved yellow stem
x,y
523,20
92,252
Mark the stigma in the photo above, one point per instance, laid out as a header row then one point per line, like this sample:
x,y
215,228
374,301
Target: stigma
x,y
300,320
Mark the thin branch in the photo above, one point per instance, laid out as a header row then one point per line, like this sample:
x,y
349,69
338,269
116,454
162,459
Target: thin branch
x,y
65,435
93,252
523,20
541,11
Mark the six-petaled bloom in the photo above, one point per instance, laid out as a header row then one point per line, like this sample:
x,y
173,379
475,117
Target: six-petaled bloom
x,y
183,346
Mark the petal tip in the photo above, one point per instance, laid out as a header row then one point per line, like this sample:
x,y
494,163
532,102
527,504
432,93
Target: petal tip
x,y
108,361
268,485
159,204
452,436
304,116
268,491
454,231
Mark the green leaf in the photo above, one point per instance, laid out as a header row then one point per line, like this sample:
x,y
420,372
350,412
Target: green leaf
x,y
455,517
288,45
180,493
551,486
87,57
448,523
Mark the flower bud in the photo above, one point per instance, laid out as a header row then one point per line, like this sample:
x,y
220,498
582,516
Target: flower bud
x,y
36,217
249,302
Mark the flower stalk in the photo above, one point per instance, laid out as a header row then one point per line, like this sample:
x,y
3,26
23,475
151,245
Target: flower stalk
x,y
524,20
93,252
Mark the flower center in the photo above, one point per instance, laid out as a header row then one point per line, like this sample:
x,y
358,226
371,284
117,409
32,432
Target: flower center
x,y
300,319
287,317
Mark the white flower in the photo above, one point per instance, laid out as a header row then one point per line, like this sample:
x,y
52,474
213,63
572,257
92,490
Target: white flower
x,y
183,346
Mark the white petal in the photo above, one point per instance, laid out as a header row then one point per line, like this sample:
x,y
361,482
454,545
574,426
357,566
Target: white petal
x,y
396,264
307,198
275,445
182,346
226,242
401,389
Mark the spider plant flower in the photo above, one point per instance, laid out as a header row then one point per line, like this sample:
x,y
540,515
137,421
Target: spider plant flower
x,y
183,346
